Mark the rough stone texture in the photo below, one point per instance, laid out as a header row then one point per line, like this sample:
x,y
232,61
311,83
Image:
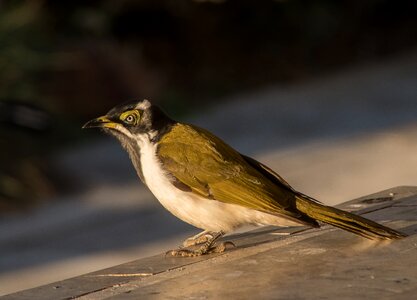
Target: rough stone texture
x,y
293,263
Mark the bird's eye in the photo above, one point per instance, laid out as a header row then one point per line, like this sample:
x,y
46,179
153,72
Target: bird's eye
x,y
130,119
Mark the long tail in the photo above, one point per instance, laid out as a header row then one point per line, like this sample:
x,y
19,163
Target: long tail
x,y
345,220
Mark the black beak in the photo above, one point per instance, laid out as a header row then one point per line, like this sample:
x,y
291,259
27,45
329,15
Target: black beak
x,y
100,122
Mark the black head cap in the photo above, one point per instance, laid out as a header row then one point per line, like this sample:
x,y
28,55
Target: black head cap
x,y
133,118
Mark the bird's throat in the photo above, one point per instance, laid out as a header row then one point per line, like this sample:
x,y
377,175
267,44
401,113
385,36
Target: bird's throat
x,y
132,148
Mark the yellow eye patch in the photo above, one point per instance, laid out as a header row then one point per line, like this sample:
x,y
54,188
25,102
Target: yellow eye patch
x,y
130,117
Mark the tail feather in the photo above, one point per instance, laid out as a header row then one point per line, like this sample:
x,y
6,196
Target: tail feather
x,y
345,220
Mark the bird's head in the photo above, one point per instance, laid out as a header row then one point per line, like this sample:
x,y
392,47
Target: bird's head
x,y
133,121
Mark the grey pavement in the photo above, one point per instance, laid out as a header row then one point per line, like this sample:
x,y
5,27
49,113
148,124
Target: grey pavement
x,y
271,263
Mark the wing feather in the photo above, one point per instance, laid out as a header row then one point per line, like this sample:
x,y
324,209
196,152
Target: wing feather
x,y
210,168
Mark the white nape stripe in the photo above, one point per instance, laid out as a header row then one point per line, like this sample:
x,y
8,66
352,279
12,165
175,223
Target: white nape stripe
x,y
143,105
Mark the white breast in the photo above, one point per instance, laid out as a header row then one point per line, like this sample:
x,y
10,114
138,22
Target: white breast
x,y
200,212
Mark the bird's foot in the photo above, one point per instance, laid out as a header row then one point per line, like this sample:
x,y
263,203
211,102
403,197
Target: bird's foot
x,y
206,237
221,247
201,238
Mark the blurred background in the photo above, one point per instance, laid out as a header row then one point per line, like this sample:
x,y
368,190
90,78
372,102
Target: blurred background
x,y
324,92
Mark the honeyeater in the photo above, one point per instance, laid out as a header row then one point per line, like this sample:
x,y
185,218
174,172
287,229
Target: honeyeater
x,y
208,184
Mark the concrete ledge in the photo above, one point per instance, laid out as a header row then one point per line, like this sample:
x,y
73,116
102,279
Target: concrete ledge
x,y
271,263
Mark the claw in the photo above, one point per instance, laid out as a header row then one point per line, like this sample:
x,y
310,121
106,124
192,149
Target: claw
x,y
206,248
198,239
182,253
220,248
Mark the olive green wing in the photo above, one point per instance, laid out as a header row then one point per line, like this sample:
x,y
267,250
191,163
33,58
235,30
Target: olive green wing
x,y
203,164
268,172
274,177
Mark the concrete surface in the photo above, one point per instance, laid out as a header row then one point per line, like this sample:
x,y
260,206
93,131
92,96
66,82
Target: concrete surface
x,y
296,263
335,138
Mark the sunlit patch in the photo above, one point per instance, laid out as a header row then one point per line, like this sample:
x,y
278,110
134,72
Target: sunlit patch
x,y
106,122
110,125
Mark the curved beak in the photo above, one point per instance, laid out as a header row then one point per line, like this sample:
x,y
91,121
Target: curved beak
x,y
100,122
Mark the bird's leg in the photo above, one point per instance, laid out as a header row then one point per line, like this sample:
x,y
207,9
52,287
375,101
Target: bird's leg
x,y
198,239
207,247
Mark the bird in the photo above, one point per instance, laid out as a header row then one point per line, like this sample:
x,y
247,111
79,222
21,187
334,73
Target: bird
x,y
205,182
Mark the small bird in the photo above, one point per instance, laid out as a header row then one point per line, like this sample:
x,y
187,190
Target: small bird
x,y
208,184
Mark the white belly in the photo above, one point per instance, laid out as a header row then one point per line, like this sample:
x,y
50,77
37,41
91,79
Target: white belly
x,y
200,212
